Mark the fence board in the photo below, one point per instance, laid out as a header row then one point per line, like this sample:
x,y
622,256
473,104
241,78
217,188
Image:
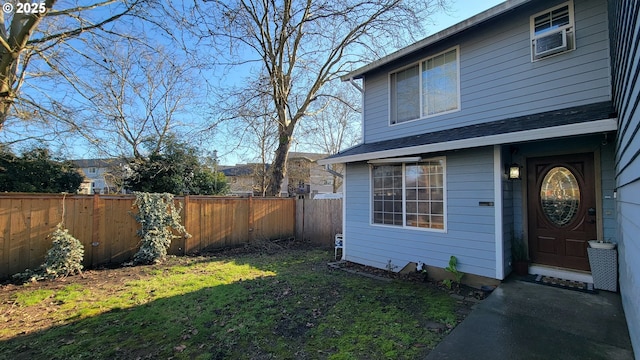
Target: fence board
x,y
318,220
105,226
5,250
19,230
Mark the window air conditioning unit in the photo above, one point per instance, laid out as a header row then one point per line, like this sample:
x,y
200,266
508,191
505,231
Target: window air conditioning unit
x,y
550,44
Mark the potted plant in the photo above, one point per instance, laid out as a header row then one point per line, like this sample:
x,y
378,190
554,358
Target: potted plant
x,y
519,256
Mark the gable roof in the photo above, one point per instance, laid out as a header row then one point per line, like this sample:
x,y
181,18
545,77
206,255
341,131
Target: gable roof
x,y
306,155
578,120
98,163
448,32
243,169
250,169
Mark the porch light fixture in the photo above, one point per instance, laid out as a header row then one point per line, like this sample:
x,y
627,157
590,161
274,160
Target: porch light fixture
x,y
514,172
395,160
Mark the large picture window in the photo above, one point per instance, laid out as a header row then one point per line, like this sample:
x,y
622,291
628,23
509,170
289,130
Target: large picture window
x,y
428,88
410,195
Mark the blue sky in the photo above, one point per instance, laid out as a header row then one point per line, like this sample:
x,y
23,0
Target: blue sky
x,y
459,11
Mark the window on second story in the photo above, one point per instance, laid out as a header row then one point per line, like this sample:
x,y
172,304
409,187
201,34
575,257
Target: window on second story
x,y
430,87
552,31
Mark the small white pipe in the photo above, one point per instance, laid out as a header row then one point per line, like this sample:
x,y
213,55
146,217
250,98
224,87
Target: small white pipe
x,y
355,85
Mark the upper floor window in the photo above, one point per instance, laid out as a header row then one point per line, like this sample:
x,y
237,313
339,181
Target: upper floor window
x,y
428,88
552,31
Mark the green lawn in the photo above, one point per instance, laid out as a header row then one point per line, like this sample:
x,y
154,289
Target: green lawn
x,y
249,306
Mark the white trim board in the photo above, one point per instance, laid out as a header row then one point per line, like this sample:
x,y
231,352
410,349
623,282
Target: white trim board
x,y
560,273
498,170
583,128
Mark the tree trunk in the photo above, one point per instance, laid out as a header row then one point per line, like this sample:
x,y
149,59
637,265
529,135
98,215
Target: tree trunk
x,y
5,106
279,165
7,78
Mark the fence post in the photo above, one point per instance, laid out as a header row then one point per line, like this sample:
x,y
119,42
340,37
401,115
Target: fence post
x,y
251,219
302,214
186,221
96,247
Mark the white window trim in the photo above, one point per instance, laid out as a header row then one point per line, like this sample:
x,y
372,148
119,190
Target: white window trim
x,y
420,62
571,25
404,200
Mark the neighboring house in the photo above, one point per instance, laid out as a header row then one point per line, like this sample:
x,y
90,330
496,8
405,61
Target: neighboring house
x,y
99,175
548,87
304,177
245,179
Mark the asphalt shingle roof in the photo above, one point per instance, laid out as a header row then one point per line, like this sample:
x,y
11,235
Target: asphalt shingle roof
x,y
572,115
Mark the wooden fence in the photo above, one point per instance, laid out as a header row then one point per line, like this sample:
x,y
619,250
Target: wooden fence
x,y
317,221
104,224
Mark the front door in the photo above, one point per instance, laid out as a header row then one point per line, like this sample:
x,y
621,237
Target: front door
x,y
561,209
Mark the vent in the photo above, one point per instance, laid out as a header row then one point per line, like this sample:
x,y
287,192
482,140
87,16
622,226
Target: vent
x,y
550,44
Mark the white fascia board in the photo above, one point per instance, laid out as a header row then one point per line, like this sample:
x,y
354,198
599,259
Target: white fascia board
x,y
584,128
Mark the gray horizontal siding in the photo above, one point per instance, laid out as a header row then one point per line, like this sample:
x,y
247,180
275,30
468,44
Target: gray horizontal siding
x,y
624,15
608,185
470,232
498,79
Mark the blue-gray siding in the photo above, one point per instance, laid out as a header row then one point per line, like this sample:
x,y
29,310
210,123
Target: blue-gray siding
x,y
498,79
626,72
470,232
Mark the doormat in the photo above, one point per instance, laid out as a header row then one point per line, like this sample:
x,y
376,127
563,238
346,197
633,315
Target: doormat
x,y
561,283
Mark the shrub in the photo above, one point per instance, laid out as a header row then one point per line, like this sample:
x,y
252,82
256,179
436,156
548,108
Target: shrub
x,y
158,215
64,258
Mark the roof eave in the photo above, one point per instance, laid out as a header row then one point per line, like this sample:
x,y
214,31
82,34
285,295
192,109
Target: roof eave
x,y
450,31
576,129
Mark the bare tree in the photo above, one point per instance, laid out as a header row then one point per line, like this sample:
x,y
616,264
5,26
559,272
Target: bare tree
x,y
301,45
335,126
33,33
253,129
139,94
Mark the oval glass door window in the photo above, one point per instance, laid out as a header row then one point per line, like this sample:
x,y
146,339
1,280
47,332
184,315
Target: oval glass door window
x,y
560,196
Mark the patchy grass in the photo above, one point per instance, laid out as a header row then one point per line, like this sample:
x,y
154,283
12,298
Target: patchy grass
x,y
281,306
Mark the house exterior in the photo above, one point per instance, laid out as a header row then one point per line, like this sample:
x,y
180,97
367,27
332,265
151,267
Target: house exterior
x,y
304,177
99,175
246,179
625,63
547,88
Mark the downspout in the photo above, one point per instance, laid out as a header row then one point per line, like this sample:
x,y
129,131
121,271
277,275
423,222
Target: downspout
x,y
328,167
345,235
361,89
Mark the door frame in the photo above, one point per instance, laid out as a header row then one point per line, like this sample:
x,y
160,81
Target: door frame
x,y
597,169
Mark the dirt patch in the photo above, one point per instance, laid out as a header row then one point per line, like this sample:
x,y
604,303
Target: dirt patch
x,y
292,324
466,297
111,279
459,292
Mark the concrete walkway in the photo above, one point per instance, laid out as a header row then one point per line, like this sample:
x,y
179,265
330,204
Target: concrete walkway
x,y
521,320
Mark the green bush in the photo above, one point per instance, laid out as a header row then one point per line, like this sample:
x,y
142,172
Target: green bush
x,y
64,258
158,215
